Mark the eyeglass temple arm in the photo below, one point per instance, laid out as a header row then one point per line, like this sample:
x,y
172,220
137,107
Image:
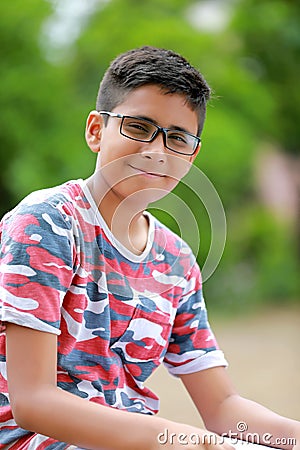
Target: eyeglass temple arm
x,y
111,114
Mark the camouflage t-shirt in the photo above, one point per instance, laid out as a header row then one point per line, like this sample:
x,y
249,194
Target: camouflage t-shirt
x,y
117,315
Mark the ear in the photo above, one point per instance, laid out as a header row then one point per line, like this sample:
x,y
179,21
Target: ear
x,y
193,157
93,129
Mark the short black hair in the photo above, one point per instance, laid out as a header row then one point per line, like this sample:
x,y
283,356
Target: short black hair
x,y
153,66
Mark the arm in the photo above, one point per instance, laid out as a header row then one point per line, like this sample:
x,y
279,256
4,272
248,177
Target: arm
x,y
38,405
222,409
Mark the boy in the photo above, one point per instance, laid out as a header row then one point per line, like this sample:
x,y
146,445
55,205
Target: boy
x,y
96,293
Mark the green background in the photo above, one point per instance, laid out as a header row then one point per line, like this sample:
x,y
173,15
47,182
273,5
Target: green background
x,y
251,61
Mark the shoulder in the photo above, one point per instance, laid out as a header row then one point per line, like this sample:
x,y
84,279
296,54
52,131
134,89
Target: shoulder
x,y
62,198
51,207
168,238
174,250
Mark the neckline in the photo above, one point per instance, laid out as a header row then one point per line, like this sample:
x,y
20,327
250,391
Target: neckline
x,y
124,251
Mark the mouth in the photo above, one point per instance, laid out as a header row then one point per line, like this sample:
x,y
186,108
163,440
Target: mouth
x,y
147,173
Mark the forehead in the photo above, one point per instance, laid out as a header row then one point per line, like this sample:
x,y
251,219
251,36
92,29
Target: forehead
x,y
165,109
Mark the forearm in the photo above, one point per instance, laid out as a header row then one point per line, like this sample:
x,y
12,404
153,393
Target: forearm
x,y
247,420
40,406
68,418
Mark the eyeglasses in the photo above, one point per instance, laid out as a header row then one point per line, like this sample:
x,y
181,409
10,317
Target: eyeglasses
x,y
144,130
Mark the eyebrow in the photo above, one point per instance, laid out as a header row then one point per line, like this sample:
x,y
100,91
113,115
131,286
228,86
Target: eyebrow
x,y
171,127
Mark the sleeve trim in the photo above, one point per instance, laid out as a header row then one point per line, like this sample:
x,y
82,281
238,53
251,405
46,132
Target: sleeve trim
x,y
210,359
27,320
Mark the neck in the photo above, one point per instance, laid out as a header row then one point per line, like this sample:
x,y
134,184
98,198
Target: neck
x,y
124,217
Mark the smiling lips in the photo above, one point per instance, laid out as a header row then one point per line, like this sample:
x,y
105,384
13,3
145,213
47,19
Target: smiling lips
x,y
146,173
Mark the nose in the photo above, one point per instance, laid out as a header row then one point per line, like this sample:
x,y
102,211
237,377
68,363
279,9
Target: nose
x,y
155,149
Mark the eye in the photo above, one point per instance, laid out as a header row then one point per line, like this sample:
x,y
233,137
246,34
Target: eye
x,y
178,137
137,127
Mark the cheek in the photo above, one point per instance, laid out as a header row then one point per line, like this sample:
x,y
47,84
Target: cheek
x,y
178,167
117,152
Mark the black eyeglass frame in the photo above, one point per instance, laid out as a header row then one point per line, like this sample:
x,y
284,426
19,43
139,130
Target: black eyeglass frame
x,y
158,130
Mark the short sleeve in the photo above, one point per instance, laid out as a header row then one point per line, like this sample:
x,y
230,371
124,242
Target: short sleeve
x,y
35,265
192,345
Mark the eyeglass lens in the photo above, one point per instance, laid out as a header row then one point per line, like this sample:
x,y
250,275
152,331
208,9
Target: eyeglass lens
x,y
142,130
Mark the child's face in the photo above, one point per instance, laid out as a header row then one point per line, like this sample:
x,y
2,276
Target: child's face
x,y
131,166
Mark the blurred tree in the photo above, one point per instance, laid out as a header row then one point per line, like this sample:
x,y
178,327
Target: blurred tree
x,y
36,107
271,51
19,64
252,67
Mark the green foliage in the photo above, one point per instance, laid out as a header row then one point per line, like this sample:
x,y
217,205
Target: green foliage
x,y
20,58
39,144
271,42
253,68
260,263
